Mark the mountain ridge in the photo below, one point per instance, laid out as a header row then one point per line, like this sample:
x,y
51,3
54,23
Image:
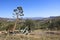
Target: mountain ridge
x,y
33,18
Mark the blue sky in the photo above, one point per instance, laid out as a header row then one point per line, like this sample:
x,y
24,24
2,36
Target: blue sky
x,y
32,8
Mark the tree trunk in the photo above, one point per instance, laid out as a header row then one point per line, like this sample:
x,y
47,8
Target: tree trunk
x,y
15,23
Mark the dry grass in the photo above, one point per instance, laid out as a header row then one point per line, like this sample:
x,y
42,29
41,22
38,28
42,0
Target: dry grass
x,y
33,36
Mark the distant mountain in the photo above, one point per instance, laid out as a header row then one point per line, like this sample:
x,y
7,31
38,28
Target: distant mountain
x,y
33,18
7,19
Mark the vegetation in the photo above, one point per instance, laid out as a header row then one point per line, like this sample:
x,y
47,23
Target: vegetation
x,y
49,24
32,37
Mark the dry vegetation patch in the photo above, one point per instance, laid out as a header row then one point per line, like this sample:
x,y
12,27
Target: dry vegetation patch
x,y
35,35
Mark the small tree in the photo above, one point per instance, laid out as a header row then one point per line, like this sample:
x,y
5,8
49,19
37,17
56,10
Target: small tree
x,y
17,12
